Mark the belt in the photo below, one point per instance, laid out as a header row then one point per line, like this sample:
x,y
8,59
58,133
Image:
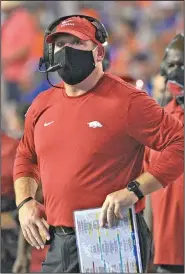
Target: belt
x,y
64,229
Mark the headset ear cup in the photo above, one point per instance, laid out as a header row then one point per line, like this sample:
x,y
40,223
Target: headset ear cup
x,y
99,36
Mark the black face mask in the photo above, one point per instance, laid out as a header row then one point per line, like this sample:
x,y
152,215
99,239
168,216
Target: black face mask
x,y
77,64
177,76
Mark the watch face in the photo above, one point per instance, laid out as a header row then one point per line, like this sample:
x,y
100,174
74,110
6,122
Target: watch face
x,y
132,185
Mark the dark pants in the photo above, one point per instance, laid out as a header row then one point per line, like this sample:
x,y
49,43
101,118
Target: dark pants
x,y
9,237
170,269
63,256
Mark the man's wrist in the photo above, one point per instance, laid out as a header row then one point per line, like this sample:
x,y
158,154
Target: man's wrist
x,y
148,183
24,202
132,196
22,198
133,187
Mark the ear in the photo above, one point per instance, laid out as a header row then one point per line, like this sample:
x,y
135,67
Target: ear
x,y
101,53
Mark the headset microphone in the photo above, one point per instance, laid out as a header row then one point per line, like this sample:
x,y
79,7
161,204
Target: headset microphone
x,y
51,68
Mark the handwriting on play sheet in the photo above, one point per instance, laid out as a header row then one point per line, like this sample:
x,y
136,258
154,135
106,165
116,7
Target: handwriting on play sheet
x,y
107,250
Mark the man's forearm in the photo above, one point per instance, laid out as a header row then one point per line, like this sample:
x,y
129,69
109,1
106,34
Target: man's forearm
x,y
148,183
24,188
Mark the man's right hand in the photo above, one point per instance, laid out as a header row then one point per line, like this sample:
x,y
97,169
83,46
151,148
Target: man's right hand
x,y
32,223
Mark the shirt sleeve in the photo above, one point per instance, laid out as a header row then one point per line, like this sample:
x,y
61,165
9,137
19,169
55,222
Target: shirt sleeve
x,y
151,126
146,161
25,164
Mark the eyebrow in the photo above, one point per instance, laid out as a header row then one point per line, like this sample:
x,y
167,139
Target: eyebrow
x,y
73,39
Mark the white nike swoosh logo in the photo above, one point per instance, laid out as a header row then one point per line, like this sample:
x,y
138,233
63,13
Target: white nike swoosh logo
x,y
47,124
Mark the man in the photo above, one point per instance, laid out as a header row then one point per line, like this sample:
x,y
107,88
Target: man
x,y
166,206
17,49
85,140
9,227
141,67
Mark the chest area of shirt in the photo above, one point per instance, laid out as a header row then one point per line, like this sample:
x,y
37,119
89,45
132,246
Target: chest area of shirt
x,y
86,129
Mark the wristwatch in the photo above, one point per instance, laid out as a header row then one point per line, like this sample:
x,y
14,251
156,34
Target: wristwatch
x,y
134,186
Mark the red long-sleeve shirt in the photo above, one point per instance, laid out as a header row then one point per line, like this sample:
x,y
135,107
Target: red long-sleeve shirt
x,y
88,146
168,210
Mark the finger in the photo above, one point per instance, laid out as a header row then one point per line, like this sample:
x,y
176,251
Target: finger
x,y
36,234
25,234
42,227
32,238
117,211
110,215
103,215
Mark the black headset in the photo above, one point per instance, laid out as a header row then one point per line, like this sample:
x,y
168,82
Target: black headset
x,y
47,60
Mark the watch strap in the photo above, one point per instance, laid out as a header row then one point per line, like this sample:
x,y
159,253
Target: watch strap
x,y
24,201
136,190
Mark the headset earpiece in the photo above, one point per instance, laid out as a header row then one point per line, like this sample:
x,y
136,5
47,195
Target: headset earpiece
x,y
99,36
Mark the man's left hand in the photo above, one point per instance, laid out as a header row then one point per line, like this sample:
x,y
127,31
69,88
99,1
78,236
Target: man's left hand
x,y
114,204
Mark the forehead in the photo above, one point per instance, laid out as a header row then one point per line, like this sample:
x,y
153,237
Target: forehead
x,y
175,55
65,37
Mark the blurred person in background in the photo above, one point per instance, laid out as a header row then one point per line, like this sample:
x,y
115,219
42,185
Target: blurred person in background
x,y
165,19
19,47
165,208
141,67
123,46
22,82
159,90
85,89
107,63
153,23
26,258
9,226
37,83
